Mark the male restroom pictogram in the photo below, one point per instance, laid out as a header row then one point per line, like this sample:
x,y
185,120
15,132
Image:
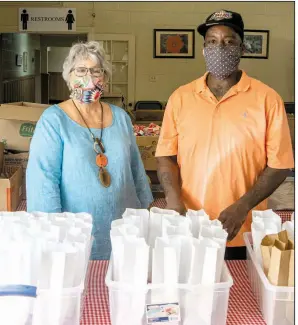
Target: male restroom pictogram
x,y
24,19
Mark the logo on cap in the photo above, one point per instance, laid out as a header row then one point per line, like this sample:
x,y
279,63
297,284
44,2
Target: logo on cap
x,y
221,15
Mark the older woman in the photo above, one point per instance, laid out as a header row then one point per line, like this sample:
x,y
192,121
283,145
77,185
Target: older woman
x,y
83,155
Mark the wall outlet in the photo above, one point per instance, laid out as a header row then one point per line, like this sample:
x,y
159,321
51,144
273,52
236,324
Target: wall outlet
x,y
152,78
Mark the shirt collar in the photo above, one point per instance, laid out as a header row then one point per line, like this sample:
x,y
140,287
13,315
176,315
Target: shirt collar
x,y
242,86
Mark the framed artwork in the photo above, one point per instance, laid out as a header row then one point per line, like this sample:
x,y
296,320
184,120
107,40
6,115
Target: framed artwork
x,y
174,43
256,44
19,60
25,61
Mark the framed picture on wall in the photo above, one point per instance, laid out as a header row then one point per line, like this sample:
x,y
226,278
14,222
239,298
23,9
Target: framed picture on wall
x,y
174,43
256,43
25,61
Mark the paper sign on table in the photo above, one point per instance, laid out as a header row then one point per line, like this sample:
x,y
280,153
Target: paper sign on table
x,y
168,314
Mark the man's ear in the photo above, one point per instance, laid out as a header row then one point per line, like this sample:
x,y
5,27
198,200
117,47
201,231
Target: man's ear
x,y
242,48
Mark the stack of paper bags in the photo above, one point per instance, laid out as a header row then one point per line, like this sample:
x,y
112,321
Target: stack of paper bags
x,y
263,223
278,259
50,252
278,253
130,256
181,250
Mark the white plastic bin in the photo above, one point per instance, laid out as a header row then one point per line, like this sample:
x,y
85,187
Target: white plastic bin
x,y
276,303
128,303
52,308
16,304
41,307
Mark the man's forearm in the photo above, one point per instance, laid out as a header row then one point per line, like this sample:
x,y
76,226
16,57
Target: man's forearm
x,y
169,176
267,183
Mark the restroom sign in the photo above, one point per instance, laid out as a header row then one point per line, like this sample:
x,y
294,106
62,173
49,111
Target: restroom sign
x,y
47,19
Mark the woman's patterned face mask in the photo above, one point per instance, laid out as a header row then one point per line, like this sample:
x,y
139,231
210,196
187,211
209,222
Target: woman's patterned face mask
x,y
86,89
222,61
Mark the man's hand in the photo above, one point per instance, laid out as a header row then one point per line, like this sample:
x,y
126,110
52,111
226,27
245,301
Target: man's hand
x,y
176,205
232,218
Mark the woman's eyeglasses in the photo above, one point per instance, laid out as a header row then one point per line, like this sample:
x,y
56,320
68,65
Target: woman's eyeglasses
x,y
82,71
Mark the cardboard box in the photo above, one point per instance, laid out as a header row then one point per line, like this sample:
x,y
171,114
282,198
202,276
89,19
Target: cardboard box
x,y
1,156
149,115
147,146
18,160
147,123
17,124
10,188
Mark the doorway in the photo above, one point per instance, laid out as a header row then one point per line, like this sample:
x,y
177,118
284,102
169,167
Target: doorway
x,y
54,49
27,73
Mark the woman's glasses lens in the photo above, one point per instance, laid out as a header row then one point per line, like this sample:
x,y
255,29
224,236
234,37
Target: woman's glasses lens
x,y
82,71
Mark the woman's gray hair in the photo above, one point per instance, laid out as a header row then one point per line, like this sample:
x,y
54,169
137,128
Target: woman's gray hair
x,y
84,51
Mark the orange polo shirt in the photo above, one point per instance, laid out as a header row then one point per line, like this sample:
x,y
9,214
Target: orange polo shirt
x,y
223,146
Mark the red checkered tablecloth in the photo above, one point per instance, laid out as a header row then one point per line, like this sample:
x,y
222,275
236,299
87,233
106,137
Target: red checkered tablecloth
x,y
242,310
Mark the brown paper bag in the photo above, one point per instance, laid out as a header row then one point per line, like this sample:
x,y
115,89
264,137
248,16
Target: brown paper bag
x,y
266,247
281,269
291,264
278,259
278,273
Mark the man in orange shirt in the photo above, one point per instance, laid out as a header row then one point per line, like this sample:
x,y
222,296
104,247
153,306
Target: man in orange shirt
x,y
225,144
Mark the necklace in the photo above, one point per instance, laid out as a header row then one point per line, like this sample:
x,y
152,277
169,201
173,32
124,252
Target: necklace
x,y
101,159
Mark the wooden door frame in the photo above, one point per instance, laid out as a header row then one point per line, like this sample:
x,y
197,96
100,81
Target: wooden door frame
x,y
131,52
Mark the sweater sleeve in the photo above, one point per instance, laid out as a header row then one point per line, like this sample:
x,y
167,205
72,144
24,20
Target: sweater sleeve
x,y
43,176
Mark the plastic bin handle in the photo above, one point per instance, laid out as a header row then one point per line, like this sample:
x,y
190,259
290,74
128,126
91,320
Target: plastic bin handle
x,y
18,290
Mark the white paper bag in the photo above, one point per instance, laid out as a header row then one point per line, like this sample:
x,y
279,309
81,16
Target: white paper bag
x,y
289,227
197,218
140,219
199,307
263,225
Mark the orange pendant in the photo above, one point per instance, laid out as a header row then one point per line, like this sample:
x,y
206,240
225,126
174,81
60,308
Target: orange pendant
x,y
101,160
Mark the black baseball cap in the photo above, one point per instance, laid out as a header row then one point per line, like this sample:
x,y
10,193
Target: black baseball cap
x,y
223,17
